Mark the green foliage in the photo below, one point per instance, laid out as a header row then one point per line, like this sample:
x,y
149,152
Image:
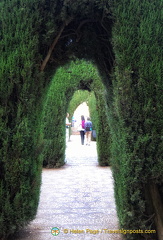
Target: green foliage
x,y
67,80
31,108
97,107
92,104
136,111
78,98
101,121
20,168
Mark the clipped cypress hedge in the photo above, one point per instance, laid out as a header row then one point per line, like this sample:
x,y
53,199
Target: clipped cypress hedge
x,y
136,117
134,98
100,118
98,113
78,98
20,169
77,75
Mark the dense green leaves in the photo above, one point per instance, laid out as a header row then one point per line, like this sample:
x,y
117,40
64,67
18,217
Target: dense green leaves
x,y
123,38
20,182
137,113
67,80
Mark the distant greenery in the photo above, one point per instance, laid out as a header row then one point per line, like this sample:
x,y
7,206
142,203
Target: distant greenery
x,y
78,75
78,98
98,117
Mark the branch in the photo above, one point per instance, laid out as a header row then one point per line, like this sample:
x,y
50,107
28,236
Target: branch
x,y
43,65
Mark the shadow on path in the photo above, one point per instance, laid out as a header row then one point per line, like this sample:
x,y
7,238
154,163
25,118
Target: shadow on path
x,y
78,199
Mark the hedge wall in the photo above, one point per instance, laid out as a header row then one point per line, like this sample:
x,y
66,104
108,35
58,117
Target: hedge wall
x,y
136,117
69,78
98,113
20,84
122,37
78,98
101,123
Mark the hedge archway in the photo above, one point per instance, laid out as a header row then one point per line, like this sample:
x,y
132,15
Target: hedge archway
x,y
78,98
123,39
73,76
97,104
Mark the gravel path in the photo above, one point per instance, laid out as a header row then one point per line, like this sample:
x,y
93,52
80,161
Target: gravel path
x,y
77,199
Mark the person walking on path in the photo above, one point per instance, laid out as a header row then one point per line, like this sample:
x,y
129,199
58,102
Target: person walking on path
x,y
88,129
82,129
68,124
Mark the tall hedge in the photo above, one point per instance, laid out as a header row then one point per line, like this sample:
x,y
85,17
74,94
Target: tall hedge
x,y
96,101
100,116
78,98
137,117
27,31
20,84
68,79
122,37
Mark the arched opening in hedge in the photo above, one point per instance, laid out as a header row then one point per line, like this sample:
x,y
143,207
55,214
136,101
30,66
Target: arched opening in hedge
x,y
75,75
123,39
80,105
79,97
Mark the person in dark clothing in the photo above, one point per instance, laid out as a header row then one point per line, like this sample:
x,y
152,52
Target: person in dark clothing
x,y
82,130
88,129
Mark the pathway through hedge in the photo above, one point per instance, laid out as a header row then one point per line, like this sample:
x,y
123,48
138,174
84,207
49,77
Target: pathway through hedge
x,y
78,199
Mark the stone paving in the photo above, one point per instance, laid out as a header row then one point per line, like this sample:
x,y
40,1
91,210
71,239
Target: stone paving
x,y
78,199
